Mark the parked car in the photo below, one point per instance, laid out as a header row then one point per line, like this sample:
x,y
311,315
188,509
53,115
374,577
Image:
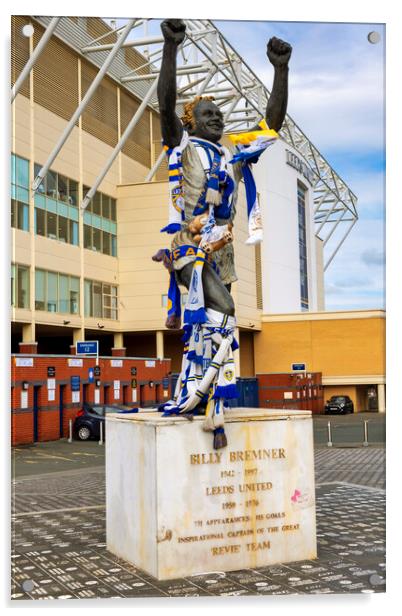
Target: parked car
x,y
88,419
339,405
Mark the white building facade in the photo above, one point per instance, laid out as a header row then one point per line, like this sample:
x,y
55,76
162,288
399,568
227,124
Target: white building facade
x,y
291,254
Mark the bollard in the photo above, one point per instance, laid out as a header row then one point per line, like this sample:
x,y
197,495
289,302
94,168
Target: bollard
x,y
70,430
101,433
329,443
365,442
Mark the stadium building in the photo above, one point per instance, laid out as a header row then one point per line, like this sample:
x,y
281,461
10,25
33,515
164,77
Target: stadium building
x,y
85,131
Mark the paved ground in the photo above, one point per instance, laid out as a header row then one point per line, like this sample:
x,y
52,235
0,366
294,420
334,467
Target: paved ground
x,y
59,547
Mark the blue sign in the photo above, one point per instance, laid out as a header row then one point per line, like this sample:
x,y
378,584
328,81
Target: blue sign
x,y
299,367
165,383
87,348
75,382
91,375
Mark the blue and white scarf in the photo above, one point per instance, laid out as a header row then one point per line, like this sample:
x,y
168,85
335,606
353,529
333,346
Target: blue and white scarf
x,y
176,187
207,374
249,148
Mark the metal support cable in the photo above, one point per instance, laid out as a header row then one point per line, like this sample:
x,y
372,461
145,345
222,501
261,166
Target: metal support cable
x,y
334,227
42,173
340,244
37,52
156,166
134,120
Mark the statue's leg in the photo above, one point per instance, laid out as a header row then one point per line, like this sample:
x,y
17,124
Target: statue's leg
x,y
216,295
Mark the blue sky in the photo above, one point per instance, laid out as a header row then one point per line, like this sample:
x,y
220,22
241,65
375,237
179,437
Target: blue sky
x,y
337,96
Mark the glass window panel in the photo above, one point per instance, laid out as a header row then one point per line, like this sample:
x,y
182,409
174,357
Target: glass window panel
x,y
22,172
13,191
114,245
63,293
51,184
88,218
113,228
96,221
23,287
22,216
73,192
62,187
87,237
62,209
113,302
73,232
25,217
74,302
51,292
107,313
42,185
114,314
97,299
96,239
85,190
73,213
107,301
113,208
40,281
74,283
22,195
106,225
96,203
13,169
63,229
106,243
114,290
51,225
13,213
40,201
51,205
12,284
106,289
40,222
88,298
105,206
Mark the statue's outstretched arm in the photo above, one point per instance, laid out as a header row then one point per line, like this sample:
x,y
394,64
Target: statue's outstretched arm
x,y
278,53
174,31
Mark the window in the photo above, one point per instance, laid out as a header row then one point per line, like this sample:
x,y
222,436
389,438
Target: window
x,y
40,294
56,200
19,193
100,227
19,286
100,300
301,204
56,292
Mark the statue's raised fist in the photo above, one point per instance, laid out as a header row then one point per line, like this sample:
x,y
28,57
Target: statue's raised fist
x,y
173,30
278,52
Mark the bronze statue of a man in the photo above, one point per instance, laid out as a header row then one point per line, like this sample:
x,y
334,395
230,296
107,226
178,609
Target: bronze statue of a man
x,y
207,124
205,176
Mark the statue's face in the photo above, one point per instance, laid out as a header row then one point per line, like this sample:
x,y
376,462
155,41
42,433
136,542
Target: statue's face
x,y
209,122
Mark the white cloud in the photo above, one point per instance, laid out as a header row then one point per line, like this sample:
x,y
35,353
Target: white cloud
x,y
353,281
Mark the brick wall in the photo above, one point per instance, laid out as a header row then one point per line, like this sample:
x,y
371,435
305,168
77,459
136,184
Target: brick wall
x,y
32,402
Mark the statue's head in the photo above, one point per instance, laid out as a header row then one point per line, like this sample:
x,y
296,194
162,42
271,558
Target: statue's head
x,y
202,118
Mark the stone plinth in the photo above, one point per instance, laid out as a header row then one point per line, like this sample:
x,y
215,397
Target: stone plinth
x,y
175,506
